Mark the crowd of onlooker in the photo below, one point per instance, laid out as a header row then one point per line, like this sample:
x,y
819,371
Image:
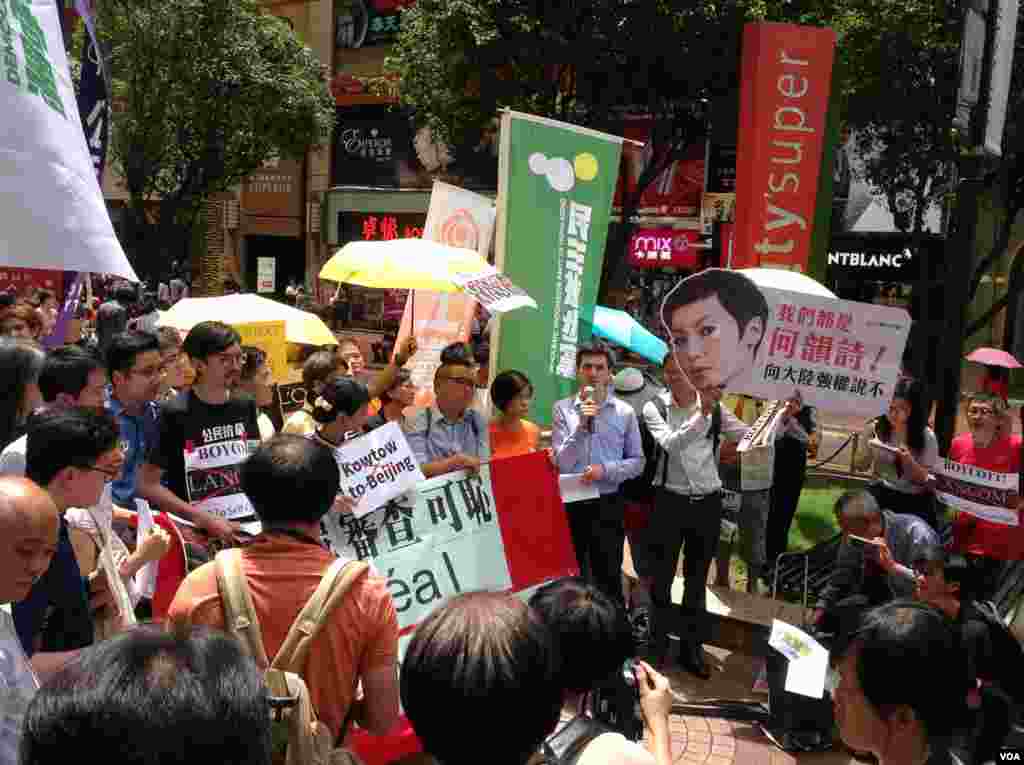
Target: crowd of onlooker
x,y
90,432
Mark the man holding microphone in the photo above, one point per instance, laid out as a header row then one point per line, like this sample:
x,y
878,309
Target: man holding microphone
x,y
597,436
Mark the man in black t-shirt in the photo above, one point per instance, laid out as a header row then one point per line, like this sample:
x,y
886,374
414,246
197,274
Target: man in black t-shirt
x,y
203,437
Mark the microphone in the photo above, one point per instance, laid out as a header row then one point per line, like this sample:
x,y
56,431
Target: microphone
x,y
588,395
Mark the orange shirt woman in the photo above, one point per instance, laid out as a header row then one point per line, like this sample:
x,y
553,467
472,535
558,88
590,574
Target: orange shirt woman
x,y
511,433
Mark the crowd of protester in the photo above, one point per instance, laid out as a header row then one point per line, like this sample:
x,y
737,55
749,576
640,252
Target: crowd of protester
x,y
89,430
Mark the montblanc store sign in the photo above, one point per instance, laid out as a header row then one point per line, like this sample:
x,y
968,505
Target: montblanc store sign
x,y
880,257
870,259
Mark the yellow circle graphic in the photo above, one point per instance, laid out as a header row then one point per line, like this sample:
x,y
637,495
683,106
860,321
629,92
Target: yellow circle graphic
x,y
586,166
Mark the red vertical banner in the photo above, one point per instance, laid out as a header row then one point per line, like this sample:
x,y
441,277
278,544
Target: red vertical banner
x,y
787,78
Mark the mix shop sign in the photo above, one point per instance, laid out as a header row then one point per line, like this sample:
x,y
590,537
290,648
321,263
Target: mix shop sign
x,y
663,247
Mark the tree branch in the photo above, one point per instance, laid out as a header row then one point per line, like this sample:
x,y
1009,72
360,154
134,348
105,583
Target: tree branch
x,y
986,317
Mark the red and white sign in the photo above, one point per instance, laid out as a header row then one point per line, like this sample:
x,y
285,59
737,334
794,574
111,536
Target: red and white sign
x,y
676,191
787,76
663,247
20,280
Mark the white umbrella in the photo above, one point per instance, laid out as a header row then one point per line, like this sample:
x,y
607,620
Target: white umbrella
x,y
783,279
300,326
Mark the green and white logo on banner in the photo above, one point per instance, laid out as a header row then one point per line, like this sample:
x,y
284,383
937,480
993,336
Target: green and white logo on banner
x,y
555,189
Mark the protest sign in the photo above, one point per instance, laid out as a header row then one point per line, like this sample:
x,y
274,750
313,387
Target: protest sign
x,y
270,337
555,188
291,397
377,467
52,211
977,491
838,355
459,218
212,470
494,291
459,533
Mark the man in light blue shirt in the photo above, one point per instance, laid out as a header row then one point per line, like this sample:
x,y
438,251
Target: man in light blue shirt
x,y
596,435
450,436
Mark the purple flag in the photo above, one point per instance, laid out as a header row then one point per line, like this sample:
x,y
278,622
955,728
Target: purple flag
x,y
93,107
74,282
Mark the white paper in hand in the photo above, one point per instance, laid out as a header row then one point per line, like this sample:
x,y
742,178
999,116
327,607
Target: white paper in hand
x,y
145,579
575,489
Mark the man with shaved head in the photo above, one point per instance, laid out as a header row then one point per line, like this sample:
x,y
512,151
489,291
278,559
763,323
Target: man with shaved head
x,y
28,539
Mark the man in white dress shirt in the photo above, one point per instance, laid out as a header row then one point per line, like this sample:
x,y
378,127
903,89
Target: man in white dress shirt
x,y
687,425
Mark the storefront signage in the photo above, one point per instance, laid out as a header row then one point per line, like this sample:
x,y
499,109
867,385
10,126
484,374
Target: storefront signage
x,y
369,144
869,259
275,190
721,168
879,257
359,23
378,227
676,191
663,247
786,76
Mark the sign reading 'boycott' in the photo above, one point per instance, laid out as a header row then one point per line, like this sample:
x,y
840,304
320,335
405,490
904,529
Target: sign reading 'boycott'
x,y
377,467
978,492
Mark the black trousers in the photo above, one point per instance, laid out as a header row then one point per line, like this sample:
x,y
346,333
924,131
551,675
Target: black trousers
x,y
598,534
790,474
693,526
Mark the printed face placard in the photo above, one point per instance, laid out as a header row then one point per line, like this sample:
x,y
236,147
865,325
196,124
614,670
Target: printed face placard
x,y
838,355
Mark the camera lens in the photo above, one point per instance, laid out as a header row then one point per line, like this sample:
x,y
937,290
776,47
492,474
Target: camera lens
x,y
629,672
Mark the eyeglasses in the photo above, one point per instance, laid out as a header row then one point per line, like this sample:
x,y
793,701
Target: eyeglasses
x,y
467,382
108,474
151,372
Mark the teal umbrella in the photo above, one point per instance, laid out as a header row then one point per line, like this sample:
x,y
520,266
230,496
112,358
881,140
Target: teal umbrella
x,y
622,329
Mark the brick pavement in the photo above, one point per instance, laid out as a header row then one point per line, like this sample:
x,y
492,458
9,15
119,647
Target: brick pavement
x,y
710,741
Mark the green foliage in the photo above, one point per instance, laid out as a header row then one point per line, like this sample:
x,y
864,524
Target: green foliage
x,y
461,61
211,89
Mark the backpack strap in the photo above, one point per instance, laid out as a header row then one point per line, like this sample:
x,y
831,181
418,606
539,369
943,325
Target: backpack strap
x,y
239,614
334,584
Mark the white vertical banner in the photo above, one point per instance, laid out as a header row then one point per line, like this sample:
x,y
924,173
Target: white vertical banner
x,y
459,218
52,212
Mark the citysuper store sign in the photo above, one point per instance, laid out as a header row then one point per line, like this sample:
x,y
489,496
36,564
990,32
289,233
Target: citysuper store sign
x,y
786,76
663,247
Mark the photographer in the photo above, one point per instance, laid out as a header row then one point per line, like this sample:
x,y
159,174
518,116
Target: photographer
x,y
593,640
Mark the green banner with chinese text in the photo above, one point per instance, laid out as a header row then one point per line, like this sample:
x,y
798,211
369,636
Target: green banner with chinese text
x,y
555,189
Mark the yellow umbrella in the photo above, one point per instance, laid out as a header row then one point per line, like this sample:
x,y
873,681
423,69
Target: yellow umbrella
x,y
300,326
414,264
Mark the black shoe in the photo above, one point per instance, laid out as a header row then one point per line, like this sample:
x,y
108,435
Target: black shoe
x,y
692,660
